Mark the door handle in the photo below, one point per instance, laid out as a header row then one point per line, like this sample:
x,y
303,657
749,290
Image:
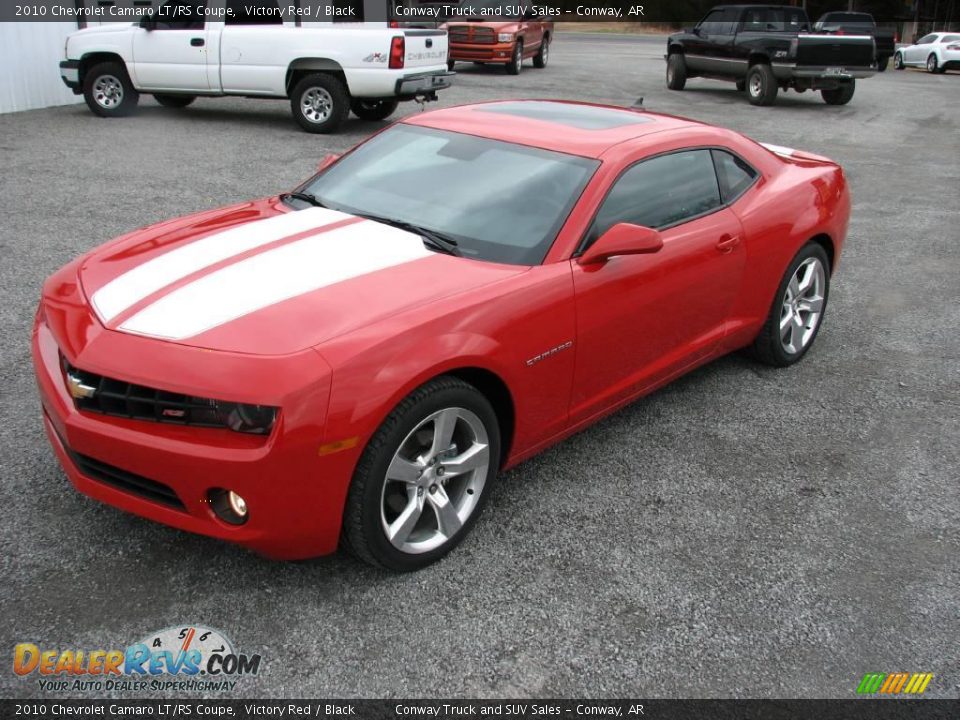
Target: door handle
x,y
727,243
196,42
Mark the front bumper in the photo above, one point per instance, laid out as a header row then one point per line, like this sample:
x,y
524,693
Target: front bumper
x,y
499,53
165,472
422,84
70,74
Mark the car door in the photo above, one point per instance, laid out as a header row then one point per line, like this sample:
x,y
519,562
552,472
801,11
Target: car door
x,y
533,35
170,52
249,61
644,318
917,54
698,47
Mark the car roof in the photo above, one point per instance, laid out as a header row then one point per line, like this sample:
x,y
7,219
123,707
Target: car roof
x,y
575,128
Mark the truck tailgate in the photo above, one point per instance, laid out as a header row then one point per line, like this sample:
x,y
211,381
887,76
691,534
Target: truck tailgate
x,y
843,51
424,48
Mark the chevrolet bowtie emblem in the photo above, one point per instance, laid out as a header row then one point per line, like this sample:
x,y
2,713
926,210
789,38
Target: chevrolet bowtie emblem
x,y
78,389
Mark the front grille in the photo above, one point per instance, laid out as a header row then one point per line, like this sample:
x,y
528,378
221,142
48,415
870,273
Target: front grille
x,y
471,34
123,480
137,402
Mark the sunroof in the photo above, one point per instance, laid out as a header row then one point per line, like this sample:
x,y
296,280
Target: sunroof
x,y
584,117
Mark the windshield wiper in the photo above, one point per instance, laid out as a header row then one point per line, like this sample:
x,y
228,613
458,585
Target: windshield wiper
x,y
436,240
305,197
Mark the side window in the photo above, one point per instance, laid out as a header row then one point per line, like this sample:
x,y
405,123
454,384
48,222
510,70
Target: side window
x,y
661,191
711,23
253,12
925,40
753,21
180,15
728,25
733,174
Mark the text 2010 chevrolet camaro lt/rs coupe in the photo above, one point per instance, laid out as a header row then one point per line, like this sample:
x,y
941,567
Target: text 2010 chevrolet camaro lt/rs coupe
x,y
355,361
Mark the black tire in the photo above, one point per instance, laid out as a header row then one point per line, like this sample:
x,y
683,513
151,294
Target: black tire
x,y
373,109
175,101
839,95
543,54
516,60
332,98
882,63
676,71
761,85
363,533
932,65
741,85
108,90
767,347
898,62
450,64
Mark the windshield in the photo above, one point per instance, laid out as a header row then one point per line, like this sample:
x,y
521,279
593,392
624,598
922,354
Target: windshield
x,y
499,201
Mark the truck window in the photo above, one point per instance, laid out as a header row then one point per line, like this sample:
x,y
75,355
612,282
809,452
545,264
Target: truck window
x,y
720,22
660,192
253,12
180,15
775,20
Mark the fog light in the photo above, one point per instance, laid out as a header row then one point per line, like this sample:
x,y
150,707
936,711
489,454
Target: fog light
x,y
228,506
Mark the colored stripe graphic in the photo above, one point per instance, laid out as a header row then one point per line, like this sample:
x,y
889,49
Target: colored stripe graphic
x,y
894,683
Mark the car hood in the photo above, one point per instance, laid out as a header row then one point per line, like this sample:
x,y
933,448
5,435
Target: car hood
x,y
261,278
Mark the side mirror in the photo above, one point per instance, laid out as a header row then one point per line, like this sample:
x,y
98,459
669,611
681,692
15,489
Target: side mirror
x,y
148,23
622,239
327,161
696,31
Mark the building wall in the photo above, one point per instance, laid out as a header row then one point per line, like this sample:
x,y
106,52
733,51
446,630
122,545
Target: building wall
x,y
30,53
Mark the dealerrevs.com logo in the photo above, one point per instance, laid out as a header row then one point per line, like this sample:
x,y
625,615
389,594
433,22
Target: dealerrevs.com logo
x,y
182,658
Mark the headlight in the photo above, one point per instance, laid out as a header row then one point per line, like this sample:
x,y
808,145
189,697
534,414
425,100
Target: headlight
x,y
256,419
505,37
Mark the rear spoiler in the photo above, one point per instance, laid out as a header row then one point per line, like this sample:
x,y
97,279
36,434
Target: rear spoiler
x,y
791,154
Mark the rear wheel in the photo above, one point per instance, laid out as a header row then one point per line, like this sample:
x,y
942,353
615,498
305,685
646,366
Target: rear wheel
x,y
175,101
932,63
108,90
320,103
797,310
882,63
516,61
421,483
898,62
541,58
374,109
761,85
839,95
676,71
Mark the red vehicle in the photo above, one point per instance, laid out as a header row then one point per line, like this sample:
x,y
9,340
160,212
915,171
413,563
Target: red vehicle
x,y
500,36
356,360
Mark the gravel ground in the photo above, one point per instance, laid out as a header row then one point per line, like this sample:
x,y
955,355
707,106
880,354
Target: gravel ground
x,y
745,532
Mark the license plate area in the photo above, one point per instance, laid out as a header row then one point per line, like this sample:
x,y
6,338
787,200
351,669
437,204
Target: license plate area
x,y
834,71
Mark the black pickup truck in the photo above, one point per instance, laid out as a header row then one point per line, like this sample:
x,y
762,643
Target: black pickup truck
x,y
859,23
767,47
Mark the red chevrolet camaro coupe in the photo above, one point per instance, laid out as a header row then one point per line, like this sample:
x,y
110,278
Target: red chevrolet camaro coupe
x,y
355,361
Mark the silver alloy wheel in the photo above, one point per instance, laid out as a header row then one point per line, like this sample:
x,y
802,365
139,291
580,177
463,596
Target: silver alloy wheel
x,y
756,85
441,466
316,104
898,60
932,63
518,57
545,53
108,92
802,306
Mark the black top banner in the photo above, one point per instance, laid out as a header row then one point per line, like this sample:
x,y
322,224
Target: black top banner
x,y
676,13
855,709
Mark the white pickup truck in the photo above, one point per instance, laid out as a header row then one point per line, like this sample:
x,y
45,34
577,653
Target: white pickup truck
x,y
178,52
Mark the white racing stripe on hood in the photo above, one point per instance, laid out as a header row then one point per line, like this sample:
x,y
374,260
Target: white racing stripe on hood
x,y
276,275
133,286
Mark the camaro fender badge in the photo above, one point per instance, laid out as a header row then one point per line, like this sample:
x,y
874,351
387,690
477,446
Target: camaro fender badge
x,y
78,389
552,351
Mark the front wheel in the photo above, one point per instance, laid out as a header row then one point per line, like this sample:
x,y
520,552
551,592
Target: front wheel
x,y
676,71
840,95
761,85
541,58
422,480
108,90
898,61
373,109
797,310
320,103
174,101
516,61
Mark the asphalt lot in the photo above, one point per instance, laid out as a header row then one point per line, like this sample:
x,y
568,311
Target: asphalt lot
x,y
744,532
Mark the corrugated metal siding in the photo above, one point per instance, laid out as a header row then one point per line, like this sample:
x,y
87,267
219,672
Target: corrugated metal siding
x,y
30,55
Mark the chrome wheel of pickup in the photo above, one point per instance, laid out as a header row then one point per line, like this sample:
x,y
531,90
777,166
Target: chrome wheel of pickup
x,y
317,104
108,91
